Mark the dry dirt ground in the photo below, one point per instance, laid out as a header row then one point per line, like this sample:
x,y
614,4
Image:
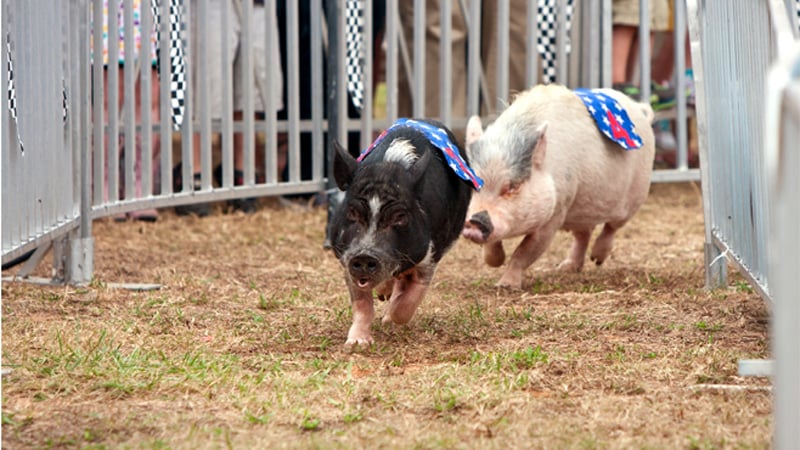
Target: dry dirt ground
x,y
242,347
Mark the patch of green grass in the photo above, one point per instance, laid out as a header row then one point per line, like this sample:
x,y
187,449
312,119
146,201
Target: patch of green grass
x,y
309,422
700,443
200,300
625,322
592,288
352,417
97,283
476,312
540,287
445,400
704,326
120,370
743,286
260,419
654,280
529,357
267,303
8,419
618,354
513,362
482,282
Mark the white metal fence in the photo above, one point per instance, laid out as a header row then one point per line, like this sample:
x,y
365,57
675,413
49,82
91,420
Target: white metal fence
x,y
783,167
733,44
44,127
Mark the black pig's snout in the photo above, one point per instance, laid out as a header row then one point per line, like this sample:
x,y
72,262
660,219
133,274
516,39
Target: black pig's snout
x,y
363,267
482,222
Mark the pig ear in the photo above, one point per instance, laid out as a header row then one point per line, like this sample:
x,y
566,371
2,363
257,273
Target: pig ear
x,y
474,130
540,146
344,166
419,166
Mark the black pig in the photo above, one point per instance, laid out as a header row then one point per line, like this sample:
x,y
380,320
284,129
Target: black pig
x,y
403,209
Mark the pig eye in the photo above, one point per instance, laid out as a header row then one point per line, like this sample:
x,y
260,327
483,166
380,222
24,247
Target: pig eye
x,y
353,215
399,219
510,189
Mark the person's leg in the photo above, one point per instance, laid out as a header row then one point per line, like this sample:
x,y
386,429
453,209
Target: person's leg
x,y
663,58
458,79
155,114
622,49
624,43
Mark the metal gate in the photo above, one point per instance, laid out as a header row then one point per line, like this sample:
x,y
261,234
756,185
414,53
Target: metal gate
x,y
45,126
733,44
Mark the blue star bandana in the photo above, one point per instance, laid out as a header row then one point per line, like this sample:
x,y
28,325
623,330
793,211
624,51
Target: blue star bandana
x,y
441,140
611,118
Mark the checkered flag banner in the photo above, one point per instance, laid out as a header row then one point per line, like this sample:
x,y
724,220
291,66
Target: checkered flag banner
x,y
797,7
354,38
12,91
177,62
64,107
547,24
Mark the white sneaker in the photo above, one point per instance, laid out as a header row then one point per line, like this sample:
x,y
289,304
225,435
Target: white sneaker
x,y
665,140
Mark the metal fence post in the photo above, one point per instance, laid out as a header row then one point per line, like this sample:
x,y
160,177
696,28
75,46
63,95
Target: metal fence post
x,y
81,249
335,98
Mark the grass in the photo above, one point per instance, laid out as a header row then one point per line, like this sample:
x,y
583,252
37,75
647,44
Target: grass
x,y
242,346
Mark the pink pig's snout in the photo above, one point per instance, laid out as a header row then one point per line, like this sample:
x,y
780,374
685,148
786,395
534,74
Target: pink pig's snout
x,y
478,227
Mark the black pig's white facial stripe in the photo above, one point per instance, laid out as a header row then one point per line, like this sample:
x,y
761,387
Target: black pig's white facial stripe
x,y
368,240
401,151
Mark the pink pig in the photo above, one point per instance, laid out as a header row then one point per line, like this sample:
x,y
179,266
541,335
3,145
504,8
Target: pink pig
x,y
547,166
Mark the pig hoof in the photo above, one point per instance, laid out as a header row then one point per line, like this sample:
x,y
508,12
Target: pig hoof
x,y
569,265
360,342
597,260
509,283
508,286
389,320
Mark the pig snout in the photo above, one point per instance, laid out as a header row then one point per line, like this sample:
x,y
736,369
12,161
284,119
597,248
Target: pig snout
x,y
363,268
478,227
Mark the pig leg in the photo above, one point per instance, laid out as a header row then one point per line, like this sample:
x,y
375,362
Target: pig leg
x,y
602,245
528,251
493,254
577,253
385,289
409,290
363,313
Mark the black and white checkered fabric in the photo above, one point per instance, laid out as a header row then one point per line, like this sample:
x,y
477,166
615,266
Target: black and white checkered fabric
x,y
64,107
797,7
354,57
546,22
177,61
12,91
